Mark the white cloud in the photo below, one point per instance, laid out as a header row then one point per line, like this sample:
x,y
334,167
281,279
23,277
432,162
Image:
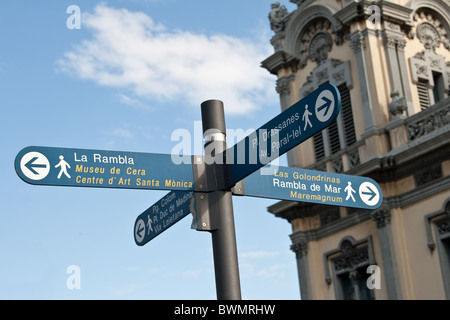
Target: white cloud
x,y
128,50
122,133
127,289
133,102
272,271
250,270
258,254
191,273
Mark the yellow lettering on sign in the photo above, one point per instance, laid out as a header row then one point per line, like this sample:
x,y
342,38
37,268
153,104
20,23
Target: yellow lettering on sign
x,y
314,197
136,172
89,180
177,184
147,183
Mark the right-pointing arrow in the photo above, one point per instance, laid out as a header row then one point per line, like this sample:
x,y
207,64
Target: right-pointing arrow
x,y
371,193
326,105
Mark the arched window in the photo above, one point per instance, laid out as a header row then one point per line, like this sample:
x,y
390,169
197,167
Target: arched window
x,y
430,71
349,264
341,133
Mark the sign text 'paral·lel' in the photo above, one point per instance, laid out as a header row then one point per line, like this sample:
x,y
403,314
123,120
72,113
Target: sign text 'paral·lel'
x,y
293,126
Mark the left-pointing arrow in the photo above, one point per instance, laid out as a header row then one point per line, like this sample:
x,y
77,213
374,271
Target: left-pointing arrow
x,y
31,165
140,231
140,227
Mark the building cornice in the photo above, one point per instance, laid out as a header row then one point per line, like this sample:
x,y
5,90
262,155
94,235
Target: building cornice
x,y
279,60
402,162
395,12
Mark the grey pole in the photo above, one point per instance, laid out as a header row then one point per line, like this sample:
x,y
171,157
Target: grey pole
x,y
224,238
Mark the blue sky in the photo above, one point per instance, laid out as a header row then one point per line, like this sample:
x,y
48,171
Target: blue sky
x,y
134,73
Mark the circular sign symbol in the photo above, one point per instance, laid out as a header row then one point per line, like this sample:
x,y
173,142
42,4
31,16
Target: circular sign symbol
x,y
369,193
139,231
35,165
325,106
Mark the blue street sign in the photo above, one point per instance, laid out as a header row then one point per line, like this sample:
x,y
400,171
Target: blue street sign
x,y
298,123
103,169
162,215
287,183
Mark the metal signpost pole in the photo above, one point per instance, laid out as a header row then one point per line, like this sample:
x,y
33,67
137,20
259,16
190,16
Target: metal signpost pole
x,y
224,238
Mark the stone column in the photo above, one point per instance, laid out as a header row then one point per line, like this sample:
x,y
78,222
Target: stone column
x,y
358,44
301,252
382,217
284,90
394,45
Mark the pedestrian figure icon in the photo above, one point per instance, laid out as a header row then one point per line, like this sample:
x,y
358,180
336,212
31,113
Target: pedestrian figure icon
x,y
349,191
305,118
149,224
63,165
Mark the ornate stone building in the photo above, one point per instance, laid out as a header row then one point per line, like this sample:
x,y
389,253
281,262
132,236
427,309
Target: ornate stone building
x,y
391,63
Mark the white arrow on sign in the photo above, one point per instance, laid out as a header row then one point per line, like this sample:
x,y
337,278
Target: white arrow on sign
x,y
35,165
139,232
324,105
368,193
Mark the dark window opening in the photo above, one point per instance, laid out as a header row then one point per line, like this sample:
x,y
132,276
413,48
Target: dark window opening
x,y
333,137
344,125
439,87
354,285
347,116
319,149
424,98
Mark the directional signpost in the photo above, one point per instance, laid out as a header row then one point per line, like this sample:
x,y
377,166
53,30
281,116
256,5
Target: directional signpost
x,y
162,215
298,123
212,181
287,183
